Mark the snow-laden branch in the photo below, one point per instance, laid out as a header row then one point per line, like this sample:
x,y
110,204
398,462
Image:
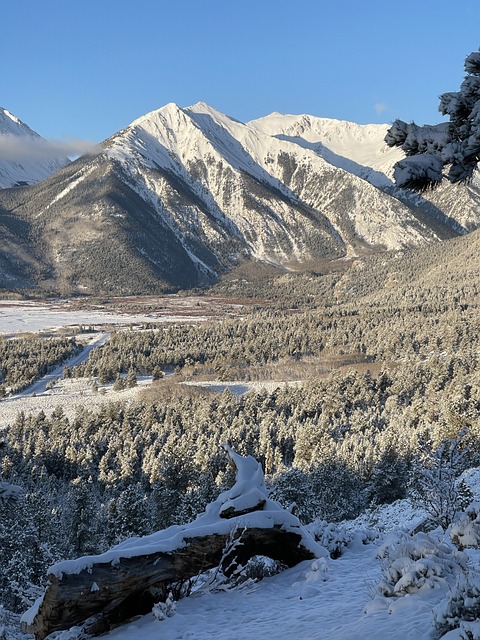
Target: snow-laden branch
x,y
455,145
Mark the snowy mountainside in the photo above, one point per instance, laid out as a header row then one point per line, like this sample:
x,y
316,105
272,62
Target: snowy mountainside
x,y
362,150
183,195
219,157
20,159
237,200
359,149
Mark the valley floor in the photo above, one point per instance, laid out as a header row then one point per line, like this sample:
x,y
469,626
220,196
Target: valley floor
x,y
70,395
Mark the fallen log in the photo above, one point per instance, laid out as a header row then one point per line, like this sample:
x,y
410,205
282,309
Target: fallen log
x,y
126,580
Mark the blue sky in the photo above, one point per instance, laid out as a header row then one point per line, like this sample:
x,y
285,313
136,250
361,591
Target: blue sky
x,y
87,68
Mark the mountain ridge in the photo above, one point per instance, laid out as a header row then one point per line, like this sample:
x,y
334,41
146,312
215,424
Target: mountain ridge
x,y
182,195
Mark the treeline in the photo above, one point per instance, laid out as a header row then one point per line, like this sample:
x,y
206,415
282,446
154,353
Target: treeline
x,y
23,360
237,347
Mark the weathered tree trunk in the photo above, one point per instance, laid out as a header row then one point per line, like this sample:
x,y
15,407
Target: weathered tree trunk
x,y
123,589
127,581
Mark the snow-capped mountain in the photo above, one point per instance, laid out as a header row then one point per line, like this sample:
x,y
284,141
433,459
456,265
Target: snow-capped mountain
x,y
25,157
359,149
182,195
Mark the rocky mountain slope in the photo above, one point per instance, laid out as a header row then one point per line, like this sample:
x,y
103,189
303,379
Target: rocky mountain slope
x,y
183,195
361,150
24,155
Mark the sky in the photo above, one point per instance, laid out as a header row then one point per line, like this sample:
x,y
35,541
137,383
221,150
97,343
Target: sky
x,y
84,70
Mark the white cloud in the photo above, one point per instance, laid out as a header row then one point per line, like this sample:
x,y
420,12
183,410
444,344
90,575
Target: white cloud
x,y
381,107
18,148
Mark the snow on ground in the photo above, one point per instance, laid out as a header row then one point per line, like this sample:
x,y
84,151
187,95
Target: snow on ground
x,y
70,395
318,599
239,387
73,393
301,603
21,317
312,601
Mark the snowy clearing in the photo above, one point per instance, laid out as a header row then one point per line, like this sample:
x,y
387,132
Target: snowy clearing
x,y
70,395
317,599
303,602
26,317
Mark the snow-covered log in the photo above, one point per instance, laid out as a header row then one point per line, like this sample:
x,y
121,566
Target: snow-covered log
x,y
126,580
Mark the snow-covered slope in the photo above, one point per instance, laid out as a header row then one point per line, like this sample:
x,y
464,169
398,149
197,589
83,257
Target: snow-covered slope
x,y
25,157
359,149
221,159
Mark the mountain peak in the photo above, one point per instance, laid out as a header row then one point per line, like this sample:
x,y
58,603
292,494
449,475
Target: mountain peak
x,y
23,159
188,193
11,125
154,114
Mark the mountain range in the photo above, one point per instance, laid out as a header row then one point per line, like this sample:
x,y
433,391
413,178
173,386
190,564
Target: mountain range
x,y
183,195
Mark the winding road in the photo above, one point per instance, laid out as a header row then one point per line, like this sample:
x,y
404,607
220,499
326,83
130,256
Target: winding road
x,y
40,386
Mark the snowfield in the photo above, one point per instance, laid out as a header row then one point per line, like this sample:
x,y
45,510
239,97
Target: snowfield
x,y
302,603
25,317
70,395
306,602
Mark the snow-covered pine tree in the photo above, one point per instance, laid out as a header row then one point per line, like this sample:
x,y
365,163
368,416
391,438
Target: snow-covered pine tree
x,y
455,144
437,488
131,379
9,493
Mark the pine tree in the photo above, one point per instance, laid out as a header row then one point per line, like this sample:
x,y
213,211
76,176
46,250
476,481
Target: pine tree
x,y
457,143
131,380
81,510
389,478
119,384
157,374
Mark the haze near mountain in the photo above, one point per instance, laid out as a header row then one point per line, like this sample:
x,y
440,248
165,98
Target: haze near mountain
x,y
183,195
25,157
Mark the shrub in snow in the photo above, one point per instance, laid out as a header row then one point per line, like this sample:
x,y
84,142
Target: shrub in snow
x,y
466,532
258,568
461,608
336,538
412,563
437,489
331,536
167,609
229,575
